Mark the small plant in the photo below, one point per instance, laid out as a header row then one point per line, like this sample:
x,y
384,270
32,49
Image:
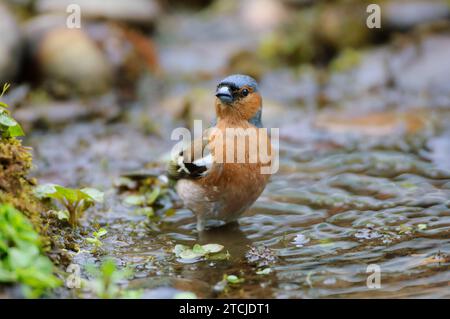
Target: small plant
x,y
149,193
96,239
208,251
227,282
76,201
107,276
8,126
233,279
21,258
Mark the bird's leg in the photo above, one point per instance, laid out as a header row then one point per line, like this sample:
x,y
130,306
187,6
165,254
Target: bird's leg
x,y
200,224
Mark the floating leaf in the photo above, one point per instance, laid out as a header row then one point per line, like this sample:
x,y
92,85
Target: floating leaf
x,y
265,271
199,250
422,226
190,254
219,256
212,248
232,279
209,251
178,249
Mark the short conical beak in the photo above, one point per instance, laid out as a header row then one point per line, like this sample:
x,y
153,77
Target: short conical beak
x,y
224,94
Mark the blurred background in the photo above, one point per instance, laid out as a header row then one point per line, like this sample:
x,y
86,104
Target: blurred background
x,y
363,117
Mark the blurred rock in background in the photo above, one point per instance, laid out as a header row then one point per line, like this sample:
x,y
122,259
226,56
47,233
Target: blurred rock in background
x,y
10,46
141,12
91,60
404,15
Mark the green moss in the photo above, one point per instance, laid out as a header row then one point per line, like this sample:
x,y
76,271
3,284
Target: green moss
x,y
15,187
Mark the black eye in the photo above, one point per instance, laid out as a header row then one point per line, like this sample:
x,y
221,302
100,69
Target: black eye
x,y
245,92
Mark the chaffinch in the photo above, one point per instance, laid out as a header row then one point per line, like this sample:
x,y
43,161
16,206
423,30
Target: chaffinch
x,y
221,175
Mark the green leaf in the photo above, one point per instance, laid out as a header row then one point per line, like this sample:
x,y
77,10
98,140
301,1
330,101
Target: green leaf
x,y
178,249
134,200
219,256
94,194
44,190
153,196
190,254
199,250
94,241
212,248
422,226
16,131
108,268
5,88
100,233
62,214
69,194
265,271
232,279
6,120
22,258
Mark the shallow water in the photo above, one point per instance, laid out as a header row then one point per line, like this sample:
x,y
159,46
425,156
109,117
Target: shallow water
x,y
354,207
357,194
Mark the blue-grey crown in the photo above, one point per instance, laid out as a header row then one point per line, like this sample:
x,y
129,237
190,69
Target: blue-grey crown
x,y
240,80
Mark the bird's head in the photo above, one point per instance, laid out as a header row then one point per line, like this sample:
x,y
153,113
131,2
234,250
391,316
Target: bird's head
x,y
238,98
